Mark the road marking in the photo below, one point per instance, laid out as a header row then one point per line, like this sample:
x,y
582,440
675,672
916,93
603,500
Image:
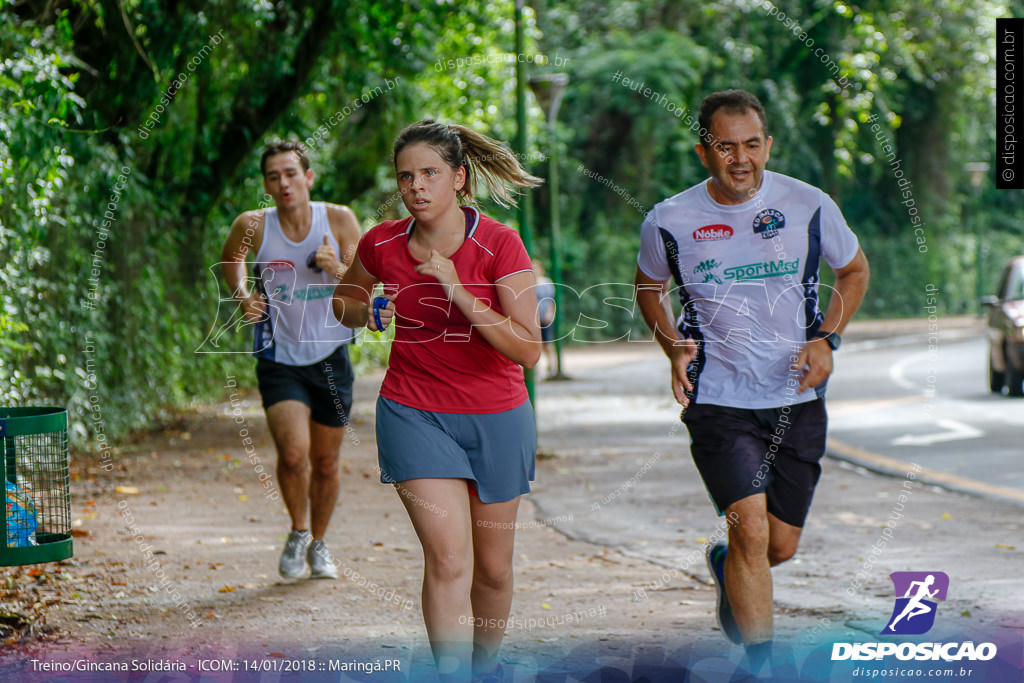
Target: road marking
x,y
899,468
847,407
897,369
955,431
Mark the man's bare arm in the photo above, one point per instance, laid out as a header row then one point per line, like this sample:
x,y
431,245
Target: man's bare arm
x,y
246,235
655,305
815,359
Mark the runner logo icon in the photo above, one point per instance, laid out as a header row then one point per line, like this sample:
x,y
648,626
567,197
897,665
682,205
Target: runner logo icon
x,y
917,596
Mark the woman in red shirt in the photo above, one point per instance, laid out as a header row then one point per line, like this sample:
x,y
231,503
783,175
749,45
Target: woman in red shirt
x,y
455,428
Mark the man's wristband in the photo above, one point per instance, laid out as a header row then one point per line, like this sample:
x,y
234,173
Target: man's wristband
x,y
833,339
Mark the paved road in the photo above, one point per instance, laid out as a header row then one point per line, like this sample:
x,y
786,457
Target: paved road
x,y
623,477
928,403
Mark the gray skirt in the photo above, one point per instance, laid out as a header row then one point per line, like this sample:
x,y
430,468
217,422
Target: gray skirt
x,y
495,451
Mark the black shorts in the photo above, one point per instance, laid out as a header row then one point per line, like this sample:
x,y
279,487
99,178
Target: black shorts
x,y
775,451
326,387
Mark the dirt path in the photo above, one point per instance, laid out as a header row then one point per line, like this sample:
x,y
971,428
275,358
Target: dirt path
x,y
176,561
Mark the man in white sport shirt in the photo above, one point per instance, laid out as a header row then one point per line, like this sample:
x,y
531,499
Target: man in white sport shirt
x,y
751,350
301,249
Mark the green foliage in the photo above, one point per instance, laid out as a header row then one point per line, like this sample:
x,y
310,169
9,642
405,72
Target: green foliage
x,y
130,135
36,99
853,93
371,350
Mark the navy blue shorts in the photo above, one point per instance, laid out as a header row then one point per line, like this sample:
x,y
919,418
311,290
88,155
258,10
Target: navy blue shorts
x,y
495,451
547,333
775,451
326,387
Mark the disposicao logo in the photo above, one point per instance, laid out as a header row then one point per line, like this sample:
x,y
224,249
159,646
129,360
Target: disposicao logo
x,y
712,232
917,598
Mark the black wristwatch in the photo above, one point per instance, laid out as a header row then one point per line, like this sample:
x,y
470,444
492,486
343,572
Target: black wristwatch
x,y
831,338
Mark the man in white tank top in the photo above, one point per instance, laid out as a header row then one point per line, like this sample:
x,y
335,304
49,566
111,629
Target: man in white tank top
x,y
301,250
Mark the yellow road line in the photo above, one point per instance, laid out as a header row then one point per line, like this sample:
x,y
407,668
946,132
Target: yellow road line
x,y
887,465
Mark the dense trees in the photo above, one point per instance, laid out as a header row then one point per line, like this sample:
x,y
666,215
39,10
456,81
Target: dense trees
x,y
828,72
129,136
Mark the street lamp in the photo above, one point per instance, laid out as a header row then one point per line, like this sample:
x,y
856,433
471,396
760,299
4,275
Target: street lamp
x,y
977,171
548,89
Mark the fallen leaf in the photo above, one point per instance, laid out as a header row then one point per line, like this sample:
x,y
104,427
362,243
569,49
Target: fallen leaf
x,y
243,498
1005,547
946,515
276,654
226,589
79,533
127,490
545,605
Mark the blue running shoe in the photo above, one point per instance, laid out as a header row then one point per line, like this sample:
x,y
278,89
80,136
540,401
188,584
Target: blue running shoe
x,y
723,612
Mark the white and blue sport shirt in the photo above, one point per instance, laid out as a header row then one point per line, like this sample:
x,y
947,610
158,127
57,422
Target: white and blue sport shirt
x,y
747,279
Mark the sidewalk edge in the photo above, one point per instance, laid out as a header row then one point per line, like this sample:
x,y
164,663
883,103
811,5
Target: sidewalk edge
x,y
891,467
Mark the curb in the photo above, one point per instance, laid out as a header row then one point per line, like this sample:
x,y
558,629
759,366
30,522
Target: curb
x,y
890,467
911,339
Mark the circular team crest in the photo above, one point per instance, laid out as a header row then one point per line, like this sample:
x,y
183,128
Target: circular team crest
x,y
768,222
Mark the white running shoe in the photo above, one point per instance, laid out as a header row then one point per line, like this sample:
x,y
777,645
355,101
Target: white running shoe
x,y
320,561
293,559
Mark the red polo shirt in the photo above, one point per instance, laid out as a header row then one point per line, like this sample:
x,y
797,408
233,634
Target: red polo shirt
x,y
439,362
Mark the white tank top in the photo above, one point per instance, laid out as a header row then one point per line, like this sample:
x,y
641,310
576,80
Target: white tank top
x,y
300,328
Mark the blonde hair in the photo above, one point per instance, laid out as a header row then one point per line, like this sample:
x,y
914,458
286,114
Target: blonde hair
x,y
463,147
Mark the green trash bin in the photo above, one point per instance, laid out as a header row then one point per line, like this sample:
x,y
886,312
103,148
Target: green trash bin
x,y
36,521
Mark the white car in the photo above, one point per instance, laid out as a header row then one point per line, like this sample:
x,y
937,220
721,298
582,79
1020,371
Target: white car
x,y
1006,331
